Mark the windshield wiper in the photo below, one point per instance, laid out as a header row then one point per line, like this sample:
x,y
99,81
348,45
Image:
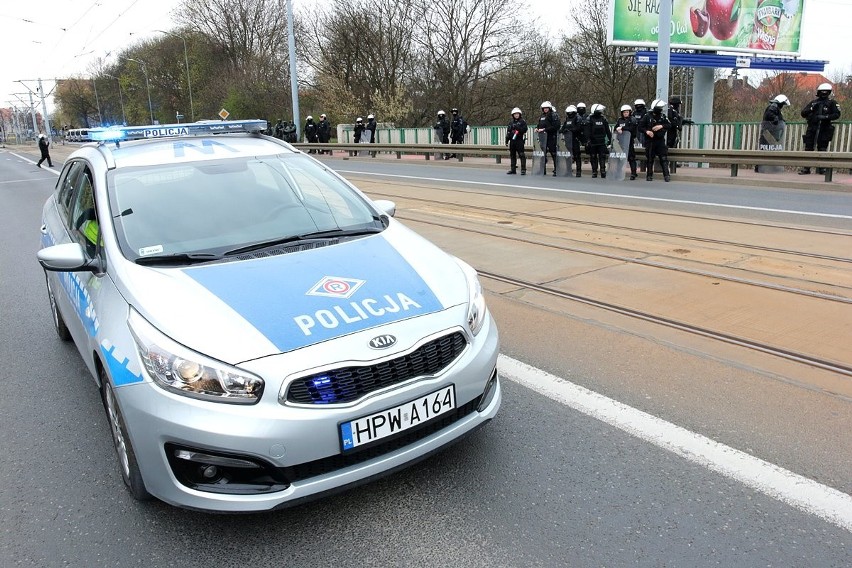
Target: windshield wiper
x,y
318,235
342,233
179,258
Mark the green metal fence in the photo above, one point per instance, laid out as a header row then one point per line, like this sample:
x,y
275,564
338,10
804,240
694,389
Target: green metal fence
x,y
707,136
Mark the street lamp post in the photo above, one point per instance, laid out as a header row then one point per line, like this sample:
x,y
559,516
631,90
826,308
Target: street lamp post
x,y
186,62
120,97
147,85
98,103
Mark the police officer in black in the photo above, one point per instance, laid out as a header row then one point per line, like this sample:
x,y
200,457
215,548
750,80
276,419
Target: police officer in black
x,y
442,129
575,124
628,123
359,129
311,133
548,123
324,132
582,119
289,132
516,135
598,140
673,133
639,112
654,125
458,128
819,113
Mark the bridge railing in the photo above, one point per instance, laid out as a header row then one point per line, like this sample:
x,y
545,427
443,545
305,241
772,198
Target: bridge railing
x,y
709,136
829,161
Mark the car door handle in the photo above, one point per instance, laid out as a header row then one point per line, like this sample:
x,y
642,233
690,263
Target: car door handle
x,y
44,229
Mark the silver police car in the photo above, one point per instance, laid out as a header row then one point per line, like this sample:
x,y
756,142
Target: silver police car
x,y
262,333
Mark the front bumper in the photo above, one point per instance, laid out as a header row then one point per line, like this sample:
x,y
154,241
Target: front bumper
x,y
301,443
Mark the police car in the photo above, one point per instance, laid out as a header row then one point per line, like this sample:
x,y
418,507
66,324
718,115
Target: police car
x,y
261,332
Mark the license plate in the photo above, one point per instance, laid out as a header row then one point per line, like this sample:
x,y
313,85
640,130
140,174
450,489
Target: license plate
x,y
397,419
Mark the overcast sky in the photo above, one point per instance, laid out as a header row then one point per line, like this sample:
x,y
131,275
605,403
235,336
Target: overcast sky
x,y
58,38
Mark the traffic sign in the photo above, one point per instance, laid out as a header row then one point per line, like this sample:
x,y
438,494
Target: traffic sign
x,y
223,114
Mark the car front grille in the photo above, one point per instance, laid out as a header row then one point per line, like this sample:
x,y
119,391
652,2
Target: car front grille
x,y
354,457
351,383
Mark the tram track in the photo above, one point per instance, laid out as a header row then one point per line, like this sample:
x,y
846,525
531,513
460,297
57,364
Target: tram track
x,y
803,358
638,261
665,234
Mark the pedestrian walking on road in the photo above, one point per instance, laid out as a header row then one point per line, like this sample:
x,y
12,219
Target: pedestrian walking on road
x,y
44,147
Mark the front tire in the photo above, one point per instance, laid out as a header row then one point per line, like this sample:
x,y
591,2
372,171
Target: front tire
x,y
123,448
58,322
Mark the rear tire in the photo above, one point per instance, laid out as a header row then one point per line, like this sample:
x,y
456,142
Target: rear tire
x,y
58,322
123,448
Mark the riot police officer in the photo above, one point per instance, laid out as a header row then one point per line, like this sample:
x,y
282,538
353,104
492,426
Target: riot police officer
x,y
442,129
654,125
639,112
598,140
819,113
516,135
458,128
548,123
628,123
311,132
576,127
673,133
359,129
324,132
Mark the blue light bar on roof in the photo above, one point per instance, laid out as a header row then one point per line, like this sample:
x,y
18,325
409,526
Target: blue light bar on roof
x,y
119,133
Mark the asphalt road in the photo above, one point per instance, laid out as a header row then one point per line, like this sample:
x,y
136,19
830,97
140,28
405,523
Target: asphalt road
x,y
542,485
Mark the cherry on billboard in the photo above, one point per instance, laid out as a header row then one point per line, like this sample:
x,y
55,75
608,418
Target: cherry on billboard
x,y
755,26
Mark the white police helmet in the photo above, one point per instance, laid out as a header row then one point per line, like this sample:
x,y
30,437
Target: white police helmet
x,y
824,88
359,119
658,104
546,104
625,107
581,105
310,117
516,110
598,108
370,116
41,136
570,108
638,102
781,100
322,116
441,113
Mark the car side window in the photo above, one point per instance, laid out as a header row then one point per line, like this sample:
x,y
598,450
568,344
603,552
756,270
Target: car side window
x,y
66,189
84,227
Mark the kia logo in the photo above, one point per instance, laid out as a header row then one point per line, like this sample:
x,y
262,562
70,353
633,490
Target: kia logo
x,y
382,341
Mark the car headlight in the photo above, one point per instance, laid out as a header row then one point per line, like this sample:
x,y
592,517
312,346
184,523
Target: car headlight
x,y
179,369
476,310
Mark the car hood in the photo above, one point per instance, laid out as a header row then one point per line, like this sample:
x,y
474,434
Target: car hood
x,y
242,310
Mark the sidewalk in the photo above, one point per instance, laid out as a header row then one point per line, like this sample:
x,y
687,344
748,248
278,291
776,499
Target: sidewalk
x,y
746,176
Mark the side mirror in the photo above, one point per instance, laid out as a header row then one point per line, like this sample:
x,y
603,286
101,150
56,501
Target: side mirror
x,y
385,206
69,257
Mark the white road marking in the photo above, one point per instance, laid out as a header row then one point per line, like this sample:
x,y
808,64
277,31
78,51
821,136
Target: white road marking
x,y
800,492
47,169
600,194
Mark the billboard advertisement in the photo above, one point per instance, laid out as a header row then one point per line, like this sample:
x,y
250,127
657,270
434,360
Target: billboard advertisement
x,y
768,27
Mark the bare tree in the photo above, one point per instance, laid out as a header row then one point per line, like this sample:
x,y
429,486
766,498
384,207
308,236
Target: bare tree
x,y
248,31
360,56
461,45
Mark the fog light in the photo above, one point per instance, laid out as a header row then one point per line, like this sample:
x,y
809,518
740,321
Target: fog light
x,y
209,471
490,391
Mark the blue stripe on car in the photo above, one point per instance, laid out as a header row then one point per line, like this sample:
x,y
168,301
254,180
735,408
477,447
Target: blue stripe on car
x,y
303,298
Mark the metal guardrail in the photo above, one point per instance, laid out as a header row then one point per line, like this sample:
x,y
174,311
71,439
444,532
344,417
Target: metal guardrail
x,y
829,161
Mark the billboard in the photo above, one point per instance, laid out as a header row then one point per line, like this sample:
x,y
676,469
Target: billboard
x,y
754,26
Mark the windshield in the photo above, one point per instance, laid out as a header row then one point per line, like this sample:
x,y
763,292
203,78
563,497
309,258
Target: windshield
x,y
210,208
